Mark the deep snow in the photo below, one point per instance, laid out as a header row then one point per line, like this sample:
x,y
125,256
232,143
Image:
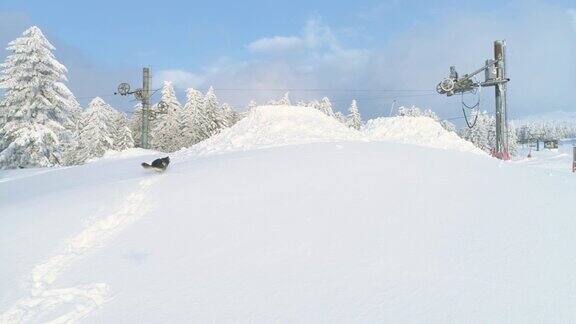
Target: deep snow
x,y
336,231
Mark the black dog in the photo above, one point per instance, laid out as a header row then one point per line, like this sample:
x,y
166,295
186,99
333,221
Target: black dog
x,y
158,164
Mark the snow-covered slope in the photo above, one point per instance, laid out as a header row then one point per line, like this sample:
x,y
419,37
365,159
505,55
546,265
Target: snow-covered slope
x,y
332,232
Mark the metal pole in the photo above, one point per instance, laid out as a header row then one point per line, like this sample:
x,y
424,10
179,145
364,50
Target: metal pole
x,y
501,116
573,158
145,107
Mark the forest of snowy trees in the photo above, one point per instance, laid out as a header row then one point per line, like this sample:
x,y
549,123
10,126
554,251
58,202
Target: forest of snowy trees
x,y
353,119
545,130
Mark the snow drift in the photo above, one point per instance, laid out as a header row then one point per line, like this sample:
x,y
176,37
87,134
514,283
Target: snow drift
x,y
423,131
272,126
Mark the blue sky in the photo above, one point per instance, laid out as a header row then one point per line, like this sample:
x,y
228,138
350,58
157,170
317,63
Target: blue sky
x,y
309,44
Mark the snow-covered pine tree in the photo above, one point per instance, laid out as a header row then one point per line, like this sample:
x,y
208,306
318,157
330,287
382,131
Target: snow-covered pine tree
x,y
354,120
96,134
512,139
412,111
70,150
230,115
135,125
251,105
301,103
211,117
481,134
313,104
2,113
326,107
190,128
340,117
285,100
122,134
38,109
167,126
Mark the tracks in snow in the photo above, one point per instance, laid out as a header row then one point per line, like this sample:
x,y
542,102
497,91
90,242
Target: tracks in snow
x,y
67,305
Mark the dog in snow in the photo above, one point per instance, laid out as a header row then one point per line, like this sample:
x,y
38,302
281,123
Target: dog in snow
x,y
158,164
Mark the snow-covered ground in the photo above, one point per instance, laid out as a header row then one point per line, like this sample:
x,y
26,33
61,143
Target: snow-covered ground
x,y
337,227
557,161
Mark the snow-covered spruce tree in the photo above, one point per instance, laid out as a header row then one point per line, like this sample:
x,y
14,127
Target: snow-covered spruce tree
x,y
167,125
135,125
38,109
96,134
2,113
212,118
340,117
122,134
230,115
354,120
481,134
523,134
285,99
190,127
412,111
512,139
326,107
312,104
251,105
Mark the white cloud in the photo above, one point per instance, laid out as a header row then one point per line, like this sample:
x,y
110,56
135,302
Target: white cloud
x,y
540,51
276,44
179,78
315,36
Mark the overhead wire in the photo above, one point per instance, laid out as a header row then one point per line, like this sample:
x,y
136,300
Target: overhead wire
x,y
315,89
389,94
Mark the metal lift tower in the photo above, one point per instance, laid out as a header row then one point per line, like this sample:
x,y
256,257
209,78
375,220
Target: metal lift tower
x,y
494,75
142,95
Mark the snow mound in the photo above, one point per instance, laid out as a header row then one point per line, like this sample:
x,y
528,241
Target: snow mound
x,y
422,131
272,126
